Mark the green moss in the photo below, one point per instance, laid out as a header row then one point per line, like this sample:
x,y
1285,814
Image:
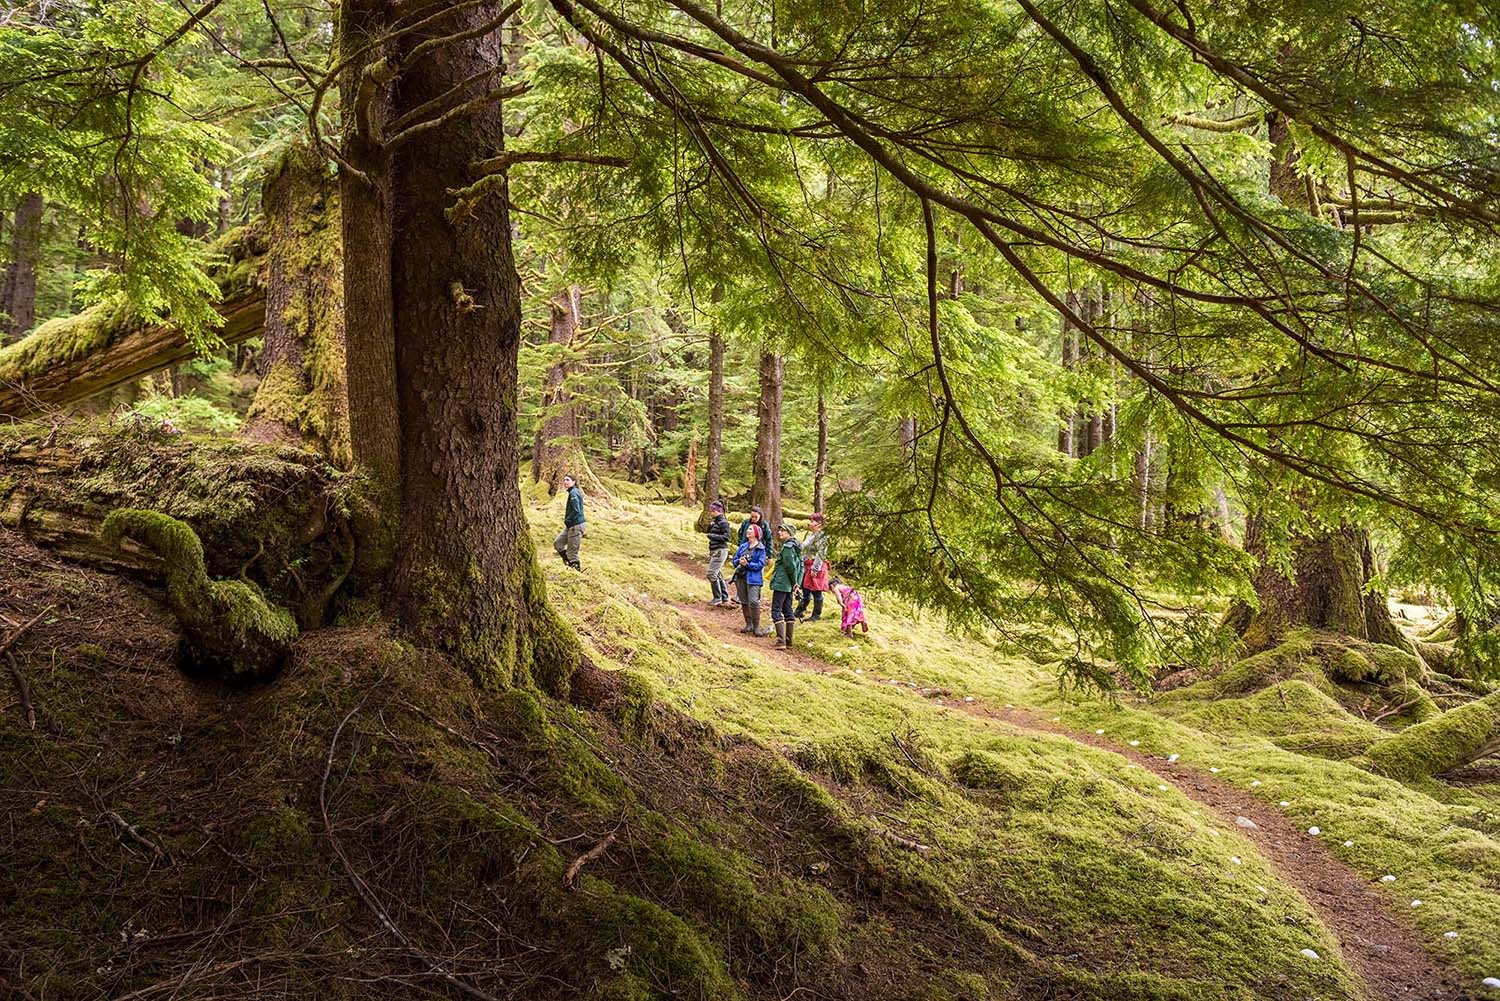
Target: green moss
x,y
1441,743
229,626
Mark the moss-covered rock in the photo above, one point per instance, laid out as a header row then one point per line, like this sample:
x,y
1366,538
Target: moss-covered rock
x,y
229,627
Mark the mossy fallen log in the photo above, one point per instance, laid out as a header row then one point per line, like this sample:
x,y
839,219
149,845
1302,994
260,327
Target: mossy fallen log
x,y
229,628
1449,741
268,514
71,358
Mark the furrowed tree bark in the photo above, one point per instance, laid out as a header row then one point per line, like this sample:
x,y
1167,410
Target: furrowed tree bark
x,y
369,310
1328,590
767,489
19,303
465,579
302,398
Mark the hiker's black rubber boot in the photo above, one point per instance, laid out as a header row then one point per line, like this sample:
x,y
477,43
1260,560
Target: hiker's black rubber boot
x,y
780,635
791,627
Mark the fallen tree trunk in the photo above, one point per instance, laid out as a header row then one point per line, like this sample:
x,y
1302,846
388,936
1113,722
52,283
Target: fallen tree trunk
x,y
1449,741
74,357
267,514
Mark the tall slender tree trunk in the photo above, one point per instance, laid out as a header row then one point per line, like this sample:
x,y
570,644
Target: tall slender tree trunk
x,y
690,473
20,277
558,448
713,476
302,398
466,578
820,471
369,311
1144,459
1067,438
767,489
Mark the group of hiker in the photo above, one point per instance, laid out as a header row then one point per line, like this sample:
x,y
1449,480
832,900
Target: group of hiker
x,y
794,565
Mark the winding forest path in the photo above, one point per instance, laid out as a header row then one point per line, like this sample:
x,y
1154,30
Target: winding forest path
x,y
1383,949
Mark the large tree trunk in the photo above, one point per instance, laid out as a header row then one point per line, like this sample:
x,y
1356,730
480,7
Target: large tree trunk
x,y
1067,428
466,579
1327,590
767,489
820,471
71,358
301,399
19,302
369,311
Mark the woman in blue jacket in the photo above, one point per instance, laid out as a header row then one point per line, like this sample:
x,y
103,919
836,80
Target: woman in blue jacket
x,y
749,561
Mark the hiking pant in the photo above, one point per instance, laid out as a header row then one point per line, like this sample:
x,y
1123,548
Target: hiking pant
x,y
568,542
716,572
816,597
781,606
749,595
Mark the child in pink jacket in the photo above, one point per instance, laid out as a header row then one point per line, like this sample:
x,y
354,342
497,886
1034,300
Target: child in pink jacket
x,y
853,606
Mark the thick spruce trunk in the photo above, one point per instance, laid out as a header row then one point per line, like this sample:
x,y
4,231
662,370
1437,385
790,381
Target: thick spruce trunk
x,y
767,488
302,399
19,301
465,579
1326,590
369,311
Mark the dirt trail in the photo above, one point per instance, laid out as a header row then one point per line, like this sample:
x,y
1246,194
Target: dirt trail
x,y
1378,944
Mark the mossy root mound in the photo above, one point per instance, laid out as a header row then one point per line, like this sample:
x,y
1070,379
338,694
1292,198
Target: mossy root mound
x,y
229,628
1449,741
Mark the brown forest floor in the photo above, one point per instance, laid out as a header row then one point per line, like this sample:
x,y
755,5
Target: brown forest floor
x,y
1382,947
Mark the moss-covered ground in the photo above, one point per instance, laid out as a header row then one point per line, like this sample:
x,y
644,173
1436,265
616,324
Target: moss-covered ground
x,y
1076,843
728,824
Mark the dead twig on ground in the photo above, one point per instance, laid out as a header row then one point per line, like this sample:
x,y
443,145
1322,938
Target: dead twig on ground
x,y
10,640
587,857
129,831
22,688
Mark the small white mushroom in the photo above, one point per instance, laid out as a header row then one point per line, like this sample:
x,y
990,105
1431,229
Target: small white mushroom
x,y
1450,935
1493,983
1348,844
1286,802
1214,770
1254,783
1416,903
1236,860
1310,954
1315,830
1135,743
1172,758
1161,788
1099,732
1387,878
968,698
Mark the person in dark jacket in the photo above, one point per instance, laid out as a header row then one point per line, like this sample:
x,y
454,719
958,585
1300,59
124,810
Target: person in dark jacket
x,y
758,519
749,561
570,539
718,533
784,580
